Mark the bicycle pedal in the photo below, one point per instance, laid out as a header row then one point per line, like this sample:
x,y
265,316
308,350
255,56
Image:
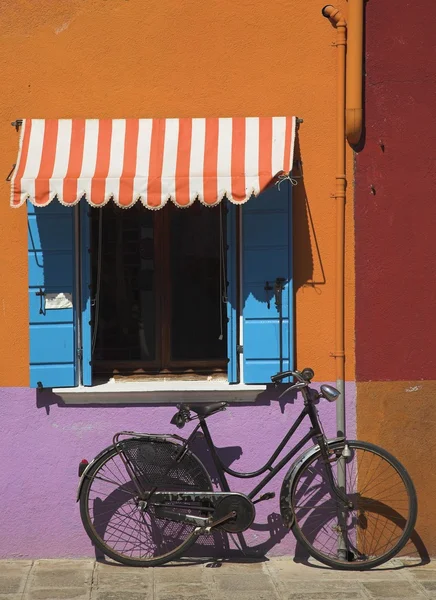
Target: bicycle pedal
x,y
267,496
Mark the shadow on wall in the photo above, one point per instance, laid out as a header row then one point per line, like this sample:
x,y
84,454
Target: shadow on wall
x,y
312,497
220,544
308,264
378,524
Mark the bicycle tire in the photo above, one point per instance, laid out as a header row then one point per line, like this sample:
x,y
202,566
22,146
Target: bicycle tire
x,y
315,519
108,502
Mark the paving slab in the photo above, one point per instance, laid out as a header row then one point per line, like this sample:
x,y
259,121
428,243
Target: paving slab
x,y
193,591
13,576
330,589
424,575
15,564
58,594
253,595
12,584
46,574
181,574
47,578
180,596
121,595
281,570
394,590
86,564
119,577
242,582
324,596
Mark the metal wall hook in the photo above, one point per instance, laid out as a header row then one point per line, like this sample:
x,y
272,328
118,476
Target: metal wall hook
x,y
9,177
41,295
278,289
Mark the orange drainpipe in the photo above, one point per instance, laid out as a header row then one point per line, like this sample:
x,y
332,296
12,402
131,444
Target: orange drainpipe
x,y
349,125
354,99
337,18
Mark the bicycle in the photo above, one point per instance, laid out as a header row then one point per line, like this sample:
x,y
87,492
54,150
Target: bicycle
x,y
148,498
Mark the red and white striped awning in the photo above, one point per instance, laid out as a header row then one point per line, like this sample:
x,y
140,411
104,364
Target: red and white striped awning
x,y
150,160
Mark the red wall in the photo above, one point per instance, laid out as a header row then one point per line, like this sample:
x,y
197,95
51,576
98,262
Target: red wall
x,y
395,201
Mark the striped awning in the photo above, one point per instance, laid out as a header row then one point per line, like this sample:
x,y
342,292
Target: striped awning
x,y
150,160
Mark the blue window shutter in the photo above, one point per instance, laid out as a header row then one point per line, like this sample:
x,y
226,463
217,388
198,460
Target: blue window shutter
x,y
232,295
51,272
85,235
267,255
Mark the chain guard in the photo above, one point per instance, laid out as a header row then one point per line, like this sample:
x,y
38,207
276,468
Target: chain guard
x,y
245,513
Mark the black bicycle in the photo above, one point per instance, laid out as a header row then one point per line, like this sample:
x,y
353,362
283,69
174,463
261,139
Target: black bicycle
x,y
147,499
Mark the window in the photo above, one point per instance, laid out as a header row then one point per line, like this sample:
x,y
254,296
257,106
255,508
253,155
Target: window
x,y
158,289
141,292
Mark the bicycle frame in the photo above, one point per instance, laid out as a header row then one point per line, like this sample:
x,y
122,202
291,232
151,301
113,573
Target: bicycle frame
x,y
314,432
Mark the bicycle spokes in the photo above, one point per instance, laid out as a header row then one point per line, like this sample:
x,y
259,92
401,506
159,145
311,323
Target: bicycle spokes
x,y
366,526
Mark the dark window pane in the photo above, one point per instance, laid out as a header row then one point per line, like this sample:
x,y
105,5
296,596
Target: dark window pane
x,y
198,315
125,312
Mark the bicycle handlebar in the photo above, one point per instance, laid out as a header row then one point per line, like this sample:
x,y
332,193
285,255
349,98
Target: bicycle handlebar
x,y
303,376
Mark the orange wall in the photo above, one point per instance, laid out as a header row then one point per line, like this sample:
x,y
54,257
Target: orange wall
x,y
129,58
398,415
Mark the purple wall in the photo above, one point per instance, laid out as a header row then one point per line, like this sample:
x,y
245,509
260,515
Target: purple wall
x,y
42,447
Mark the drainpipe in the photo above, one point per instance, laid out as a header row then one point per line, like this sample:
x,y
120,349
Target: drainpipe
x,y
354,101
332,13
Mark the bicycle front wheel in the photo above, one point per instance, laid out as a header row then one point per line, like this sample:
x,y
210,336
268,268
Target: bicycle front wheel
x,y
379,522
111,509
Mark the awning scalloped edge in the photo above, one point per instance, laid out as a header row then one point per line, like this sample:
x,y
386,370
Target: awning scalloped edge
x,y
140,199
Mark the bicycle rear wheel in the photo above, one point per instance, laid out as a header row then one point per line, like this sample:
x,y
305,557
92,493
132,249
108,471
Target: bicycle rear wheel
x,y
383,514
110,507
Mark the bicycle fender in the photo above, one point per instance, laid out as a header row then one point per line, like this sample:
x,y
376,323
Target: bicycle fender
x,y
288,481
88,468
106,451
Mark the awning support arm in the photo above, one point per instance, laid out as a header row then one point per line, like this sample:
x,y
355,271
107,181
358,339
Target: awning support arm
x,y
9,177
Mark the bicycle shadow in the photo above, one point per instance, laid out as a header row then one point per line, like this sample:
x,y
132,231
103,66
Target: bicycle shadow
x,y
222,544
314,523
414,550
314,526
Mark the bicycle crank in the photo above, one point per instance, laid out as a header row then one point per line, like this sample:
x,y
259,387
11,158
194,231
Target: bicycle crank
x,y
243,509
231,515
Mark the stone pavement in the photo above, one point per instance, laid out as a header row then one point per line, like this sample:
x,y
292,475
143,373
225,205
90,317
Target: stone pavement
x,y
270,579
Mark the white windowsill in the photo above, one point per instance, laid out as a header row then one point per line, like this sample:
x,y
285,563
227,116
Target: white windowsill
x,y
160,392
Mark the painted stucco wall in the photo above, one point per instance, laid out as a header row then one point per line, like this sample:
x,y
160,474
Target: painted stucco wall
x,y
45,443
395,249
125,58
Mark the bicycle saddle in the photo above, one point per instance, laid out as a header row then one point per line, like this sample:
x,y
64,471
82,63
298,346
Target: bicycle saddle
x,y
205,410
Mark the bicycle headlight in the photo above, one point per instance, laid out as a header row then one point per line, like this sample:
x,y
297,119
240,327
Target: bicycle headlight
x,y
330,393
